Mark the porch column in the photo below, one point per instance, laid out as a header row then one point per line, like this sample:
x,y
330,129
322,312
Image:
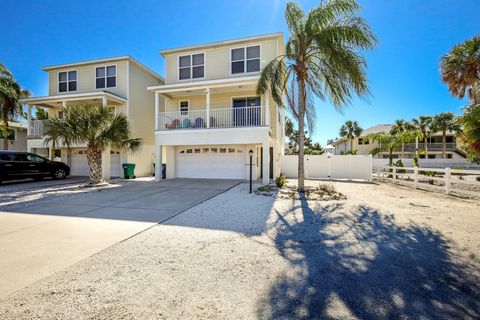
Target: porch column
x,y
104,101
266,162
157,106
207,91
106,163
267,109
158,162
64,104
29,118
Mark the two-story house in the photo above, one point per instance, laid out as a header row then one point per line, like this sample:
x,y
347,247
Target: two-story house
x,y
118,83
209,118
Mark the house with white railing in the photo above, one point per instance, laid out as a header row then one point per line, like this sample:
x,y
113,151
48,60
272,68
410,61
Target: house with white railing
x,y
434,145
209,119
117,83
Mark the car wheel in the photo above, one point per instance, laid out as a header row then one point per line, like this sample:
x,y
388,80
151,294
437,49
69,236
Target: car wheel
x,y
59,174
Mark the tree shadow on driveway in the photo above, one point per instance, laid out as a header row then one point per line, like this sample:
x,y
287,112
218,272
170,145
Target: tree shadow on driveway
x,y
363,264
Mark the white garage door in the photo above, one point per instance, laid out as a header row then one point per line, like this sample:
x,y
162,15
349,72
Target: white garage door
x,y
222,162
79,165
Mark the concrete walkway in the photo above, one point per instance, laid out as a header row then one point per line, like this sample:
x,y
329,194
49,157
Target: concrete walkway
x,y
40,239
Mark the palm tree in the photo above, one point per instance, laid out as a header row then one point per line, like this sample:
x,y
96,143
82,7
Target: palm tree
x,y
460,69
445,121
388,141
470,122
400,126
350,129
10,94
95,126
321,60
423,126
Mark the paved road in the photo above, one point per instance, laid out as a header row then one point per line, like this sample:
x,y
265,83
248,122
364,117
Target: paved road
x,y
38,240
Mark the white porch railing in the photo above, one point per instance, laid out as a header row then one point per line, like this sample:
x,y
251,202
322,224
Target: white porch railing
x,y
450,181
37,127
218,118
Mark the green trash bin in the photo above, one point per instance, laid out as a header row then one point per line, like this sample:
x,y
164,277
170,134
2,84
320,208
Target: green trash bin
x,y
128,170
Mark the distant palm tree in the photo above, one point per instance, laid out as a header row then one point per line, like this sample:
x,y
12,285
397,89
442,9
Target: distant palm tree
x,y
10,94
423,126
460,69
388,141
322,59
350,130
400,126
443,122
95,126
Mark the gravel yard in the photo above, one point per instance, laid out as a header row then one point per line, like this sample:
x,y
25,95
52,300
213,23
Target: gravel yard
x,y
385,252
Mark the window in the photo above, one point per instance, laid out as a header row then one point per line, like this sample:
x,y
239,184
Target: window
x,y
246,102
184,107
106,77
431,156
191,66
34,158
60,114
67,81
363,141
245,59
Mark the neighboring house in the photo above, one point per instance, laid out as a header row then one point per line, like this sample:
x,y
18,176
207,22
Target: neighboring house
x,y
208,115
119,83
434,145
329,149
19,142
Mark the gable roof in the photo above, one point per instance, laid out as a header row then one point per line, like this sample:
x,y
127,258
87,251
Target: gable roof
x,y
276,35
376,129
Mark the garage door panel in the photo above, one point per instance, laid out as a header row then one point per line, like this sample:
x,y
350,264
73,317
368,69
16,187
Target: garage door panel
x,y
210,163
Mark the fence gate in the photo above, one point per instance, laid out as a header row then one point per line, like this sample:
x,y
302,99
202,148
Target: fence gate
x,y
348,167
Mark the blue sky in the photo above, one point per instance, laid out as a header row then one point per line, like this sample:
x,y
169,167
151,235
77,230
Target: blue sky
x,y
403,69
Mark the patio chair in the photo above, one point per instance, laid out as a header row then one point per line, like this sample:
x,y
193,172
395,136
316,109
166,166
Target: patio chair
x,y
186,123
174,124
199,123
212,122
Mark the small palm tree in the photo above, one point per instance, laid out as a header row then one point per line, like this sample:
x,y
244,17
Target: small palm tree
x,y
322,59
423,126
10,94
460,70
443,122
400,126
95,126
350,130
388,141
470,122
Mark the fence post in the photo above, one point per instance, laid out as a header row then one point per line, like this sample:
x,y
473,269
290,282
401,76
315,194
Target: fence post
x,y
378,173
394,172
415,177
448,180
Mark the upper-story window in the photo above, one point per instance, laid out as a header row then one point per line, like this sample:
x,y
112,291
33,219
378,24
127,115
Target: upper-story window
x,y
106,77
67,81
245,59
191,66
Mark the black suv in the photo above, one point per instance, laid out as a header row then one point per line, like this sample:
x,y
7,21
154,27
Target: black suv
x,y
22,165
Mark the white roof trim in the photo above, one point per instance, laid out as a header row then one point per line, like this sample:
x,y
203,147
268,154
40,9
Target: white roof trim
x,y
222,43
73,96
197,85
105,60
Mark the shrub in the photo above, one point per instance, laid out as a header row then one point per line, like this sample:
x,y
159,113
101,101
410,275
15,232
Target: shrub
x,y
399,164
326,188
265,188
430,174
280,181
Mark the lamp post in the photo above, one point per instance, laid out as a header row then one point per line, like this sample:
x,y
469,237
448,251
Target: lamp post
x,y
250,153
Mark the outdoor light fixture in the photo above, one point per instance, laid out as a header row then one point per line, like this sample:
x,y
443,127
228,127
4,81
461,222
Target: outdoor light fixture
x,y
250,153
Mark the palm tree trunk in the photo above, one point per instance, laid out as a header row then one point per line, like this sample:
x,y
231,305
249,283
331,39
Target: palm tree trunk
x,y
94,158
403,150
5,140
351,145
444,144
301,135
426,148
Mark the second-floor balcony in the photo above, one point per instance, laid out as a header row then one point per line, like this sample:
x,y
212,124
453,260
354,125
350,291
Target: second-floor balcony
x,y
437,146
214,118
37,128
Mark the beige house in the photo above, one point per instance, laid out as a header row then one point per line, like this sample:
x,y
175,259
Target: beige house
x,y
208,116
19,141
434,145
118,83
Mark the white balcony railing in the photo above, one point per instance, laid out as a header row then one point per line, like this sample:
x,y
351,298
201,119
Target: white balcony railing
x,y
218,118
37,127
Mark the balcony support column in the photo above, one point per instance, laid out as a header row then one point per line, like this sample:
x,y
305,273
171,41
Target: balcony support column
x,y
267,109
157,106
29,118
207,91
104,101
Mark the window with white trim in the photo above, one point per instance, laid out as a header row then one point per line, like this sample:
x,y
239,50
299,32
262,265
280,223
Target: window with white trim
x,y
67,81
183,107
191,66
245,59
106,77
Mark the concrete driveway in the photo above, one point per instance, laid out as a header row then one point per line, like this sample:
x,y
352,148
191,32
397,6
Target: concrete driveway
x,y
42,238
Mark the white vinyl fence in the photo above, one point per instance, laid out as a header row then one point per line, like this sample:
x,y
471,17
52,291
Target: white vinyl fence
x,y
429,163
345,167
450,181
